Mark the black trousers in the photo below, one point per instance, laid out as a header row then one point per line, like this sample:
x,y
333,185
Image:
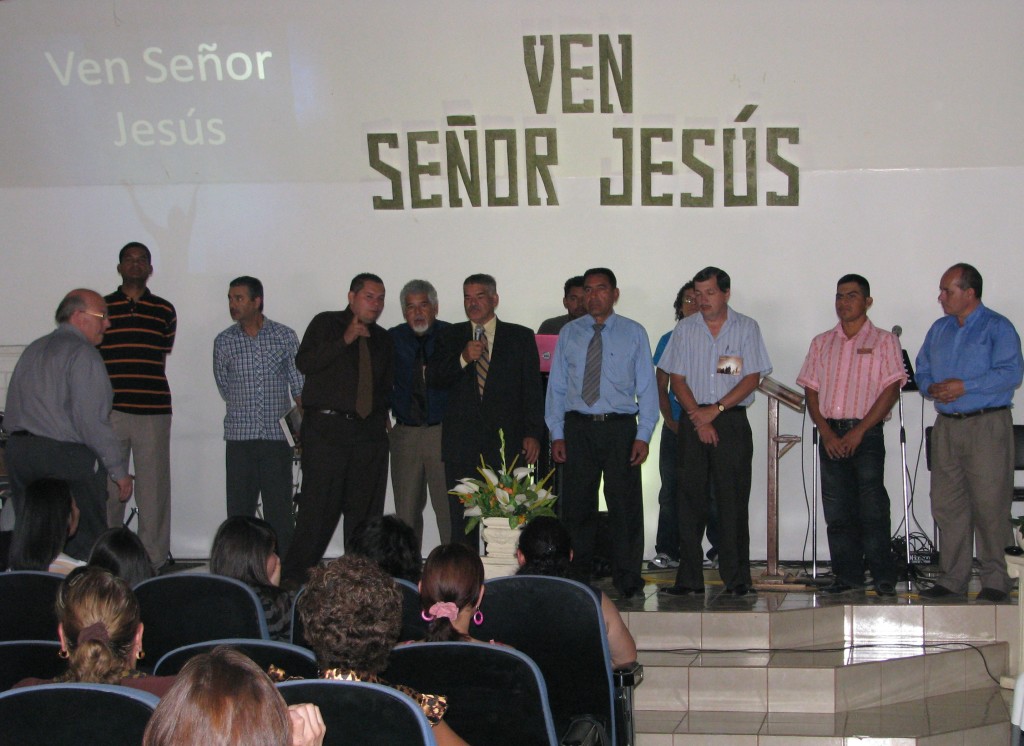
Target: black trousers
x,y
726,467
31,457
344,472
594,449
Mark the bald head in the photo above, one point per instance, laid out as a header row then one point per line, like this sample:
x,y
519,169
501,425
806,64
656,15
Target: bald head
x,y
86,311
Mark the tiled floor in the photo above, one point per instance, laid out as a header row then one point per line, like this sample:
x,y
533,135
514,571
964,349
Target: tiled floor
x,y
804,667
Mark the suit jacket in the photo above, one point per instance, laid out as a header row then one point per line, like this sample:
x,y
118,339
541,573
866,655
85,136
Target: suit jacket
x,y
513,397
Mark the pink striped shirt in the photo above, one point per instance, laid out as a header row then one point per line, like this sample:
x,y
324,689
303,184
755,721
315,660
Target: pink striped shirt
x,y
849,374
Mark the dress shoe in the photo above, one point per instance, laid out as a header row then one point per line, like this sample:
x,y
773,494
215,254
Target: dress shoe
x,y
741,589
682,590
938,591
992,595
885,588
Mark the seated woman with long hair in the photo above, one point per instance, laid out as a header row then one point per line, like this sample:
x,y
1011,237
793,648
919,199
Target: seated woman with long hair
x,y
101,633
222,698
451,589
121,552
391,543
351,614
48,518
246,549
545,548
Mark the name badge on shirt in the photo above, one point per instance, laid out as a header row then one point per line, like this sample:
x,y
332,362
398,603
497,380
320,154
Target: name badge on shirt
x,y
865,350
730,365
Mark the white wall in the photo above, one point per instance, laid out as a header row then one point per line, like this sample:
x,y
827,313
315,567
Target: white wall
x,y
907,161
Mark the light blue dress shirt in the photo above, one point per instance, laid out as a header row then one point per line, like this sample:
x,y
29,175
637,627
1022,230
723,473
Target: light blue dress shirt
x,y
694,353
627,377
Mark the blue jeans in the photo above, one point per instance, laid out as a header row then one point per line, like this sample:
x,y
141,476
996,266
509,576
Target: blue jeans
x,y
667,539
856,508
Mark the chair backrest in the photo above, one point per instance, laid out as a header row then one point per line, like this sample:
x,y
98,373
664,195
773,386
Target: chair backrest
x,y
558,623
27,599
356,712
414,626
20,659
75,715
298,631
496,695
292,659
184,608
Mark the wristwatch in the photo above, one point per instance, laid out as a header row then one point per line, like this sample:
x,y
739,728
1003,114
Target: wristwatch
x,y
721,407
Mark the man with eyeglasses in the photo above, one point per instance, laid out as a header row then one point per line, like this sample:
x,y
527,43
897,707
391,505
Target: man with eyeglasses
x,y
715,361
58,415
135,349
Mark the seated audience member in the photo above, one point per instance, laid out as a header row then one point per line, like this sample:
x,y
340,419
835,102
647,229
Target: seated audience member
x,y
120,551
101,633
391,543
48,519
351,614
222,698
245,549
546,549
451,590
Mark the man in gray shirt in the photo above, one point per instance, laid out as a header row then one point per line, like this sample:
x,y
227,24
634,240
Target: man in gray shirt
x,y
58,415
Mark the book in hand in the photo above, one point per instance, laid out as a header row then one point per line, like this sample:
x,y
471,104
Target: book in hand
x,y
291,424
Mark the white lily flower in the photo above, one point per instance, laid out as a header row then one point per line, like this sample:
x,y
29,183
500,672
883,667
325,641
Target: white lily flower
x,y
520,499
466,489
521,472
489,475
508,507
470,512
541,494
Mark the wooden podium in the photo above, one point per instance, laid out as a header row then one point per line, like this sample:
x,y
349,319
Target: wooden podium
x,y
778,446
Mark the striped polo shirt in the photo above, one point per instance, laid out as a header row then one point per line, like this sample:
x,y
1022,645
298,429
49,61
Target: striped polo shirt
x,y
135,347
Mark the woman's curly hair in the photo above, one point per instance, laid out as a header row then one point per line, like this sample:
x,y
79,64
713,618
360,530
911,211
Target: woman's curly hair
x,y
351,614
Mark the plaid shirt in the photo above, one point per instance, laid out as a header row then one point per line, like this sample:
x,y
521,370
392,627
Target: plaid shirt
x,y
254,376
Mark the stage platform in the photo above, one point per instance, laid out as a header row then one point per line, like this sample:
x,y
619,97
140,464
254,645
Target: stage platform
x,y
805,667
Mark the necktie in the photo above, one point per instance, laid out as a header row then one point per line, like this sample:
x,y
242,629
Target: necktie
x,y
364,387
483,363
592,371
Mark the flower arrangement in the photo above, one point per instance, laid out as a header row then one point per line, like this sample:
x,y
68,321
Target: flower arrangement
x,y
510,493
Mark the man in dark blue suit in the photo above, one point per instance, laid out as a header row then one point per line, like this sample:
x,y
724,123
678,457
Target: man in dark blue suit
x,y
492,373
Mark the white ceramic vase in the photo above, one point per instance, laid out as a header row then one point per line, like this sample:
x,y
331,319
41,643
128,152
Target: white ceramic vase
x,y
500,541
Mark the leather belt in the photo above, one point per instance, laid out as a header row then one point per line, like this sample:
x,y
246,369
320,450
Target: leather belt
x,y
337,413
600,417
975,413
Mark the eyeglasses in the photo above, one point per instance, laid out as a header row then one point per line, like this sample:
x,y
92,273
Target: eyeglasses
x,y
689,301
101,316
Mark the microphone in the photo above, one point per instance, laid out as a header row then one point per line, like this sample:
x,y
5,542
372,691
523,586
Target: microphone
x,y
478,332
911,384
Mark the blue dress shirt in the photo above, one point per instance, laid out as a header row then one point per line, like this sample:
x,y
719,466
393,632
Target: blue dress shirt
x,y
677,408
627,377
984,353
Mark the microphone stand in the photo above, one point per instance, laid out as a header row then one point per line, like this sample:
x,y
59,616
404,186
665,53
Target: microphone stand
x,y
814,502
911,385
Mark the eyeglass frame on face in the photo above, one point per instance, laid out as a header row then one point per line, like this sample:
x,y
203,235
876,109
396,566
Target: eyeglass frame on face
x,y
100,316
